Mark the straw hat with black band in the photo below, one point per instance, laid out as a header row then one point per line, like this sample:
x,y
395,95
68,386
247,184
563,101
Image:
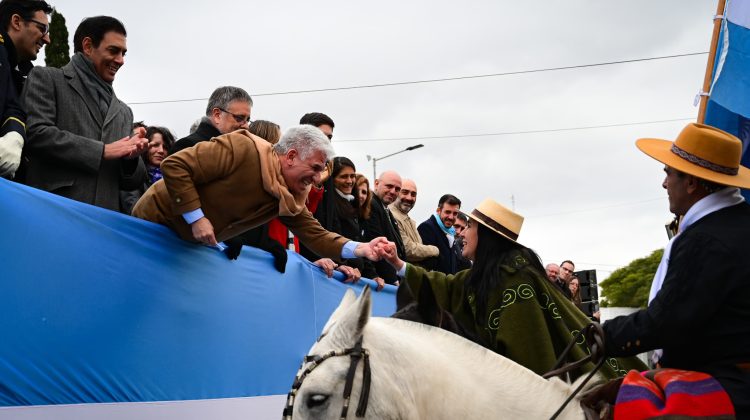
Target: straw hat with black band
x,y
498,218
702,151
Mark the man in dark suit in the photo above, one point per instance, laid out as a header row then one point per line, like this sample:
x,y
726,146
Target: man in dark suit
x,y
438,230
79,134
699,306
228,110
382,223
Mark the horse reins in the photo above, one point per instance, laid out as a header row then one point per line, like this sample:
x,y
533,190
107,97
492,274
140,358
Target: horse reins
x,y
591,331
356,353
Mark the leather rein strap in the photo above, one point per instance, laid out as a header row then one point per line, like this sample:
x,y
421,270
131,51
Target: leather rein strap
x,y
593,333
356,353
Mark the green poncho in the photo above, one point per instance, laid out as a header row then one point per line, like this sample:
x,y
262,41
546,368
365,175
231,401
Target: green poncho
x,y
528,320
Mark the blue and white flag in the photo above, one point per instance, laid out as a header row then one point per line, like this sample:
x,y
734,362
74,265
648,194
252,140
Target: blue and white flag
x,y
106,316
728,106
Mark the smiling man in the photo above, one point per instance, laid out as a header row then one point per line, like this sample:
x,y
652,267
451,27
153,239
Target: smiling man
x,y
24,30
413,247
221,188
79,133
438,230
381,221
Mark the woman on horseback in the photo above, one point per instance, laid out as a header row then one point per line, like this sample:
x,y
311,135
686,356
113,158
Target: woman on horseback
x,y
505,299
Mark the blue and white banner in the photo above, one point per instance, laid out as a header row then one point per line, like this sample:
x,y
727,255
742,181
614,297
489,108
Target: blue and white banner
x,y
728,106
106,316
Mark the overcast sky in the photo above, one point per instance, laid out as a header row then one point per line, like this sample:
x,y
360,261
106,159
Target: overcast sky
x,y
587,195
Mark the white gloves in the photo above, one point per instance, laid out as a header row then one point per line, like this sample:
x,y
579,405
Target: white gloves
x,y
11,145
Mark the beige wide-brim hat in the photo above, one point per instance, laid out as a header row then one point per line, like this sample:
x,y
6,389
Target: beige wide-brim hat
x,y
702,151
498,218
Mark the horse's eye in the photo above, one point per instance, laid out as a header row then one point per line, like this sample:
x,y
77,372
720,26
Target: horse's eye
x,y
316,400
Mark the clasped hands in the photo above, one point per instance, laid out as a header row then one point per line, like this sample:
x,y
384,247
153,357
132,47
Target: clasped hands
x,y
127,147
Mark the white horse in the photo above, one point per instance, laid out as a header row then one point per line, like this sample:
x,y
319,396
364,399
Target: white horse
x,y
417,372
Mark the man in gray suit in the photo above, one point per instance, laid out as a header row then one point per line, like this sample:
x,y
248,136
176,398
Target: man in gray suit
x,y
79,134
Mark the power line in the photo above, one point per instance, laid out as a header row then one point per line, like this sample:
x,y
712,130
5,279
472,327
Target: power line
x,y
632,203
444,79
509,133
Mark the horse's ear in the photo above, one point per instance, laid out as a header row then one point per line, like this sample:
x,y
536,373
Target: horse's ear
x,y
365,308
353,320
346,302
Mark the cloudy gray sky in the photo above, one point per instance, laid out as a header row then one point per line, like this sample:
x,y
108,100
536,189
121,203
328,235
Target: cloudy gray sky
x,y
587,194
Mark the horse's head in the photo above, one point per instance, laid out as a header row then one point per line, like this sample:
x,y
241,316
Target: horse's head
x,y
335,357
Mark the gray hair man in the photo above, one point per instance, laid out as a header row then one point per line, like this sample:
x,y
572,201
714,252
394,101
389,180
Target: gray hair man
x,y
553,272
698,307
228,110
219,189
415,250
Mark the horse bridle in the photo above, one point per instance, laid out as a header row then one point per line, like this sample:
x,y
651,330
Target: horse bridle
x,y
594,335
356,353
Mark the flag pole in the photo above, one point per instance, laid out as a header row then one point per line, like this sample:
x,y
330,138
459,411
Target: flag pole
x,y
711,58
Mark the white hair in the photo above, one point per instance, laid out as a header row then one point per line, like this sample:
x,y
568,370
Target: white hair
x,y
306,140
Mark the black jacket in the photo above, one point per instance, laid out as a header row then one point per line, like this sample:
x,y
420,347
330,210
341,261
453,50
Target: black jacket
x,y
338,215
379,224
205,131
446,262
701,315
12,115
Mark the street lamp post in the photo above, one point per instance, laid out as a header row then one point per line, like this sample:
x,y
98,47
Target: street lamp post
x,y
376,159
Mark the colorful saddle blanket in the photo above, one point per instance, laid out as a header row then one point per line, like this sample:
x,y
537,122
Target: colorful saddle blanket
x,y
672,394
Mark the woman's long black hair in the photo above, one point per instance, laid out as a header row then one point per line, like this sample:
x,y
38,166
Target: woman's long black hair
x,y
492,252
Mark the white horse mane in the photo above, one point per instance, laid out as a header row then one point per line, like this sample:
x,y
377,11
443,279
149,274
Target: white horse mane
x,y
423,372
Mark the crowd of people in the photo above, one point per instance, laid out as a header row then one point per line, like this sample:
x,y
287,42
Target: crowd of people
x,y
235,182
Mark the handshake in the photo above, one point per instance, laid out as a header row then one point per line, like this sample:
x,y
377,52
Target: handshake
x,y
379,249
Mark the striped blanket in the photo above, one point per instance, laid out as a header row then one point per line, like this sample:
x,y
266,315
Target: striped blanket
x,y
672,394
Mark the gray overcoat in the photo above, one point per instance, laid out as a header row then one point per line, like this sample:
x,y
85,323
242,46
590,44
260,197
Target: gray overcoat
x,y
66,138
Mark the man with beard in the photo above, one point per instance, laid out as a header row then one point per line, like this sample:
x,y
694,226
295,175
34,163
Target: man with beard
x,y
461,223
381,221
415,250
438,230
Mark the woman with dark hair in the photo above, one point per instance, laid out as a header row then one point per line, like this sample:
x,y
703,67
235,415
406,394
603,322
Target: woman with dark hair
x,y
505,300
160,140
575,290
339,212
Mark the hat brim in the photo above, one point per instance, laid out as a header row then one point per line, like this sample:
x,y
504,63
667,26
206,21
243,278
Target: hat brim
x,y
485,224
661,150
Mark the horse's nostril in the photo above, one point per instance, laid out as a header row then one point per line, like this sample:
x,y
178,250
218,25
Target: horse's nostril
x,y
316,400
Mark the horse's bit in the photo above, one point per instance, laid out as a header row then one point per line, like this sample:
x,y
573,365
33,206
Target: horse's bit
x,y
356,353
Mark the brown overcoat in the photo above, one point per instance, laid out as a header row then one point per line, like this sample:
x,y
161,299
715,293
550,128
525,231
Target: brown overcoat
x,y
236,180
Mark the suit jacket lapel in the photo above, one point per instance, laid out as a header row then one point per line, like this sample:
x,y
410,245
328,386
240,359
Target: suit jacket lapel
x,y
114,108
76,85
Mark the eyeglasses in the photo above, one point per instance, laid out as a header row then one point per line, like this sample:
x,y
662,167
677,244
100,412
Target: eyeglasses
x,y
43,27
239,118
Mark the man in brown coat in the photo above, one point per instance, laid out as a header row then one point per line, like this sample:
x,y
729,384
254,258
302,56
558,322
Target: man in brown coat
x,y
237,181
